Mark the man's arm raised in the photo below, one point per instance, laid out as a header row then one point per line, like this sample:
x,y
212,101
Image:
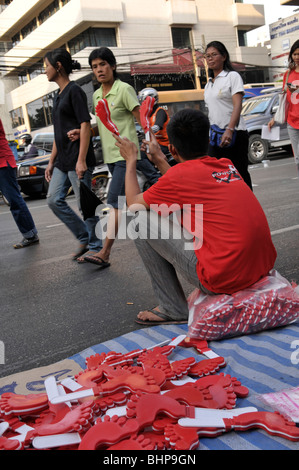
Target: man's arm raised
x,y
134,196
128,151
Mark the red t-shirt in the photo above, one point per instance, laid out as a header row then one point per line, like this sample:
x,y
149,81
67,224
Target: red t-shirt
x,y
293,99
237,248
6,154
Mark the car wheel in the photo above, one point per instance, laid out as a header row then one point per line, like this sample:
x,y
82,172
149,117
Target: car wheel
x,y
99,185
258,149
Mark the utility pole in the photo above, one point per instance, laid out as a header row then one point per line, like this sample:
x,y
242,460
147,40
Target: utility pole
x,y
203,39
195,66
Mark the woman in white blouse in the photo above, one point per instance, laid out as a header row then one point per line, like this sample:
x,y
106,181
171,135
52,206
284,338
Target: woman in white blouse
x,y
223,96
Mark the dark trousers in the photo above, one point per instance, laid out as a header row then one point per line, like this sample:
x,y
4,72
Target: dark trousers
x,y
237,153
18,207
148,169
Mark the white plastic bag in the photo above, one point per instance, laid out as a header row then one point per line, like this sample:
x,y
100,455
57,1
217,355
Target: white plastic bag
x,y
269,303
282,112
285,401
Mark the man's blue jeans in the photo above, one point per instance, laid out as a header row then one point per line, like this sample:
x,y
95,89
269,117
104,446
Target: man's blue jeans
x,y
18,207
84,231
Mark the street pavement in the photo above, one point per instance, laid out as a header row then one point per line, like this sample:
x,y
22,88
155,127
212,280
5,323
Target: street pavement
x,y
52,307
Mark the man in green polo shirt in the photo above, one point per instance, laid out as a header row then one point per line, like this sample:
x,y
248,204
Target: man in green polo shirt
x,y
124,106
124,109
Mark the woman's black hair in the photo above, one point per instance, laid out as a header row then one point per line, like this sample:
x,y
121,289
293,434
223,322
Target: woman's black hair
x,y
103,53
224,52
293,48
64,57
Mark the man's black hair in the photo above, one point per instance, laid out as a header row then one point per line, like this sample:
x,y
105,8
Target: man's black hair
x,y
103,53
188,132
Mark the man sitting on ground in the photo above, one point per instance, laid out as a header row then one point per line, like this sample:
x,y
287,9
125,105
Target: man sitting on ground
x,y
232,247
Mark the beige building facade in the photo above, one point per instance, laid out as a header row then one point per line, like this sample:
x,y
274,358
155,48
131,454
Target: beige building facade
x,y
143,34
283,34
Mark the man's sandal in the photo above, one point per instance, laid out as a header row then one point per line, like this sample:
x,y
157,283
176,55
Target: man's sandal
x,y
27,242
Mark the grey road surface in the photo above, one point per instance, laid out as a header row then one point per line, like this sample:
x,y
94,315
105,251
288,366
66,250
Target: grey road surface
x,y
51,307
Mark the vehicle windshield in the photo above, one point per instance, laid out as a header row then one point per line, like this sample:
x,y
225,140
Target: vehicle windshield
x,y
256,106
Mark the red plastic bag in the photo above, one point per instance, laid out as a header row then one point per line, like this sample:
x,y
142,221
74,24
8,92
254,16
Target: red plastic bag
x,y
269,303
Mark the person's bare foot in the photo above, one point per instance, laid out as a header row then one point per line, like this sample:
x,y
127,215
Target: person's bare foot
x,y
81,259
149,315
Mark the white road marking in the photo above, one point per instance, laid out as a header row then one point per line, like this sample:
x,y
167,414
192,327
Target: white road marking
x,y
287,229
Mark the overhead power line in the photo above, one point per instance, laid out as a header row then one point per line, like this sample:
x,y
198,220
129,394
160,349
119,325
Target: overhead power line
x,y
170,55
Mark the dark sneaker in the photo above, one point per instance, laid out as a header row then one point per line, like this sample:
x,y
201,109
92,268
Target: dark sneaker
x,y
27,242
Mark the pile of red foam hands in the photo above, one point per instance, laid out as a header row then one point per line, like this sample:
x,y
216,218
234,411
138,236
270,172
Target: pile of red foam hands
x,y
141,400
268,304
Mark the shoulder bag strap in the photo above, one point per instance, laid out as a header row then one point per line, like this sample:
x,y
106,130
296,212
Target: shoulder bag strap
x,y
285,85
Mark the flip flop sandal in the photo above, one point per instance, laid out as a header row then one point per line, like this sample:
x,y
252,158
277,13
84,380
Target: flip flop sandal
x,y
98,261
26,242
163,321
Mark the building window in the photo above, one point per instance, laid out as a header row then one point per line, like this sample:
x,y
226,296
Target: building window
x,y
181,38
29,28
36,69
15,39
242,38
86,84
29,74
40,111
93,37
49,11
17,118
23,78
5,47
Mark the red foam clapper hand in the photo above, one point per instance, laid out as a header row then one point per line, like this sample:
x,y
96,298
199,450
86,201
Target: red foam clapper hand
x,y
103,113
146,110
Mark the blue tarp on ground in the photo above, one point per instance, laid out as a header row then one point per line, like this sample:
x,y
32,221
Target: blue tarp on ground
x,y
263,362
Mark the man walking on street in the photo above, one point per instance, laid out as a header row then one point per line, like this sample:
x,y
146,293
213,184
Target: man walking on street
x,y
10,189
